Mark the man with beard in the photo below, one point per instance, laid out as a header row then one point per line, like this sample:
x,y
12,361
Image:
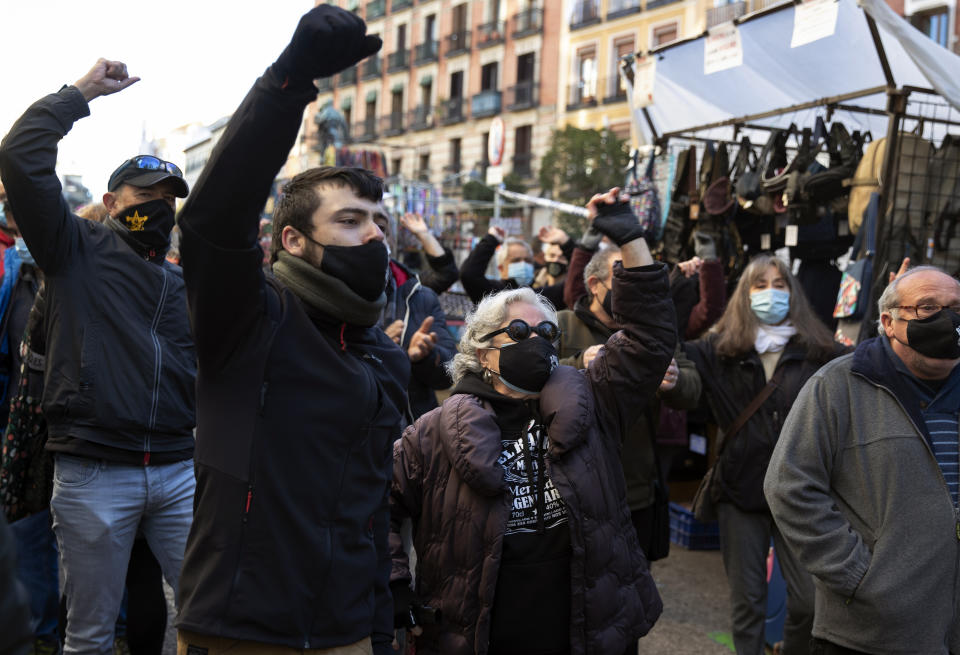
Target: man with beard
x,y
120,364
300,392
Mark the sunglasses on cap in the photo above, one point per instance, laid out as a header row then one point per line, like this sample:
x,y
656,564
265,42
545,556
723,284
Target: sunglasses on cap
x,y
150,163
519,329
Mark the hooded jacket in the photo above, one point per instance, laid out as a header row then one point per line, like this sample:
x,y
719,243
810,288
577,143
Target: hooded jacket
x,y
299,412
412,302
448,479
120,362
856,491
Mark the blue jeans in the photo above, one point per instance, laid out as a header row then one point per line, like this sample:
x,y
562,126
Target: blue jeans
x,y
37,570
97,509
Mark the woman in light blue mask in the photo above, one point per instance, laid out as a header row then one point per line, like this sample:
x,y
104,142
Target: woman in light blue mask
x,y
767,334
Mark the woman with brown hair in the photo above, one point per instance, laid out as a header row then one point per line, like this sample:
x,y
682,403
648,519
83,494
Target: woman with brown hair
x,y
768,335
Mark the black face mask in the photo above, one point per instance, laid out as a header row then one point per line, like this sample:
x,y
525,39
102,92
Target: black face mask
x,y
149,223
526,366
556,269
937,336
362,268
607,303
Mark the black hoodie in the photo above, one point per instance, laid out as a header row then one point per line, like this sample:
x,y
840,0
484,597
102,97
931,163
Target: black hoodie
x,y
531,610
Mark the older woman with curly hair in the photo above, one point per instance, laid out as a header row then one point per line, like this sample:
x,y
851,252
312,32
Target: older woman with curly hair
x,y
514,485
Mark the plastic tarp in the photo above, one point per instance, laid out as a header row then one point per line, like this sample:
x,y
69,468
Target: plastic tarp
x,y
775,76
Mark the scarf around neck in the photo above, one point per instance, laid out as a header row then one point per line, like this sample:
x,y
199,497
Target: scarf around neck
x,y
325,296
773,338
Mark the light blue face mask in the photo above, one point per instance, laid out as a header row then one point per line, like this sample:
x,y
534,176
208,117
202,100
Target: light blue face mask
x,y
522,272
770,305
23,251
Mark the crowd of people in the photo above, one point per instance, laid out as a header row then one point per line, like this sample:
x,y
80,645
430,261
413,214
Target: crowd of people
x,y
270,443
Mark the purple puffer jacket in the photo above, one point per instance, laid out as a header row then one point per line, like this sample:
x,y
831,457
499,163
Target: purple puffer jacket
x,y
447,479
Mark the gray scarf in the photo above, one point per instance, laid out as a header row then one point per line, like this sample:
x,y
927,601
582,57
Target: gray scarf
x,y
324,295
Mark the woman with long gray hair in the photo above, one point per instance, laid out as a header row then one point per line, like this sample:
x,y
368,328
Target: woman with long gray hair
x,y
515,487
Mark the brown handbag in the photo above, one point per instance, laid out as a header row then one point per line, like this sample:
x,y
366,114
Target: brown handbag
x,y
704,505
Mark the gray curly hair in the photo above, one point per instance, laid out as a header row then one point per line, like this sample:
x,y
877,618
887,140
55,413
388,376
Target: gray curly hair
x,y
488,316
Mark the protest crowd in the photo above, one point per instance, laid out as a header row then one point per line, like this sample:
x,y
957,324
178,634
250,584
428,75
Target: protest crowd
x,y
314,461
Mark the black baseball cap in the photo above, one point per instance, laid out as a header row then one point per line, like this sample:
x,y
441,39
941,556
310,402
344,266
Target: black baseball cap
x,y
147,170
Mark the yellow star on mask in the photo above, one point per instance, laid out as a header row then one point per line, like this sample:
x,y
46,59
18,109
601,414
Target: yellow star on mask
x,y
135,222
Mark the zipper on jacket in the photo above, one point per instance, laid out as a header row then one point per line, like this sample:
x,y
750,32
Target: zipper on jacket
x,y
158,361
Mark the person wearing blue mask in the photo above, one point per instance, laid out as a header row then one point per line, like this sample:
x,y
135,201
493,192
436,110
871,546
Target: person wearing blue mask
x,y
752,364
514,265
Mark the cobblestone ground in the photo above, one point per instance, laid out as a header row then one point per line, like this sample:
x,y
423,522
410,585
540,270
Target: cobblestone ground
x,y
696,607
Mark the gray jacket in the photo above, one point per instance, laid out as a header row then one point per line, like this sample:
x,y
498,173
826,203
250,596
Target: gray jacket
x,y
855,489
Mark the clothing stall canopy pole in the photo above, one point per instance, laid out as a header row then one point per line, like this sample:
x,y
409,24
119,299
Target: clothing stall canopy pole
x,y
881,53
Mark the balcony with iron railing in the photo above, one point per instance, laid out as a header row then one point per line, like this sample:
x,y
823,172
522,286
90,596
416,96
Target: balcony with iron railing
x,y
522,164
527,22
325,84
398,61
421,118
581,95
376,9
724,13
522,95
486,103
490,34
397,5
347,77
615,90
621,8
392,124
585,12
426,52
452,111
365,130
372,68
458,43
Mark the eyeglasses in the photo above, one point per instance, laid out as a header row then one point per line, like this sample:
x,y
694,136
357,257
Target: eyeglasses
x,y
151,163
519,329
927,310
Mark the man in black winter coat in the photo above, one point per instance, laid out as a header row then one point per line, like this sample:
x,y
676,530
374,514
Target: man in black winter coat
x,y
300,392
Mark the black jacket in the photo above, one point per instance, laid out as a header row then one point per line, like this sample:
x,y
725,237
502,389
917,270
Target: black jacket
x,y
120,360
412,302
474,278
730,384
296,425
440,272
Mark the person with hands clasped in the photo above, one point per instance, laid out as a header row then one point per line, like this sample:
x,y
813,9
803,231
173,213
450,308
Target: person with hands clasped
x,y
514,485
120,362
441,271
301,393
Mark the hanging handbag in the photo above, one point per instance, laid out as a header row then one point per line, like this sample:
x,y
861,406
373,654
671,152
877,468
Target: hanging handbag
x,y
854,294
645,200
705,499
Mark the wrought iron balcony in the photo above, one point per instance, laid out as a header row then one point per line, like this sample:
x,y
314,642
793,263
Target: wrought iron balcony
x,y
717,15
486,103
527,22
365,130
616,91
458,43
452,111
398,60
421,118
392,124
620,8
582,95
522,164
427,51
347,77
585,12
376,9
490,34
325,84
522,96
371,68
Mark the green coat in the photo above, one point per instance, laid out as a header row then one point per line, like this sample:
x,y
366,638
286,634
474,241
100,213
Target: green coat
x,y
580,329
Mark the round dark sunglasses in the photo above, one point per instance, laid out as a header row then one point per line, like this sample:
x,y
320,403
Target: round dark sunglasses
x,y
519,329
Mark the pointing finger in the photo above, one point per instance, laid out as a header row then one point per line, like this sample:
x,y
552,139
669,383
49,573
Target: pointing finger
x,y
426,325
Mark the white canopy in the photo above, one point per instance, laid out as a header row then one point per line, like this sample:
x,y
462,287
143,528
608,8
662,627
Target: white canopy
x,y
775,76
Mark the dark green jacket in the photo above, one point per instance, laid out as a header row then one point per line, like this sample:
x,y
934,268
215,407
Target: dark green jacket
x,y
580,329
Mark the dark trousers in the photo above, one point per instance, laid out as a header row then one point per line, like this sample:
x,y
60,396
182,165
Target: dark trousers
x,y
824,647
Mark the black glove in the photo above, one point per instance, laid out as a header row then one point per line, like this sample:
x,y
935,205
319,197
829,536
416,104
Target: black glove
x,y
618,222
403,599
327,40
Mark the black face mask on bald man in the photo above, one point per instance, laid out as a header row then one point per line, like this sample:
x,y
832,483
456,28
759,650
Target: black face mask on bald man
x,y
149,223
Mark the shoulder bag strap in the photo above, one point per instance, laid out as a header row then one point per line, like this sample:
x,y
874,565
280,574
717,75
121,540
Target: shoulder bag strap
x,y
750,410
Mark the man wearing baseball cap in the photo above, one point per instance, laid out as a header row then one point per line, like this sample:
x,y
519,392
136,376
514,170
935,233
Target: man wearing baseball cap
x,y
120,364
